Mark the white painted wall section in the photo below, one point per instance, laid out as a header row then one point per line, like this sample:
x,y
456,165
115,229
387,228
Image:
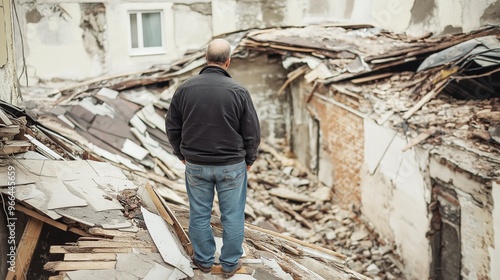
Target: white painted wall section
x,y
56,48
395,196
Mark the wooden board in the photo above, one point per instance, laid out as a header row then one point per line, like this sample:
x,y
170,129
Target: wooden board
x,y
159,206
114,244
90,257
66,266
110,232
40,217
57,249
217,269
27,245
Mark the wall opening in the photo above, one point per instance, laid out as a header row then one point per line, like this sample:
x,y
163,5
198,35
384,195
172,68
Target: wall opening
x,y
445,233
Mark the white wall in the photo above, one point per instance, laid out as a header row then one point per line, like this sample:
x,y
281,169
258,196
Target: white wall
x,y
420,17
415,17
495,249
56,48
8,78
395,194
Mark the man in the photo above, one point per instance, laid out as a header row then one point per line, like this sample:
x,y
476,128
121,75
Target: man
x,y
214,130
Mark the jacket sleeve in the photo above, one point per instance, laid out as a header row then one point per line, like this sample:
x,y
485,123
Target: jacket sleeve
x,y
250,130
173,126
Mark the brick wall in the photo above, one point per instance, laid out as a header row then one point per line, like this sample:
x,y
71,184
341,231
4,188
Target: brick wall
x,y
341,142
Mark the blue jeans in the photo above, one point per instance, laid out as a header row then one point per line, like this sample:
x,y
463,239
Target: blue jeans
x,y
231,184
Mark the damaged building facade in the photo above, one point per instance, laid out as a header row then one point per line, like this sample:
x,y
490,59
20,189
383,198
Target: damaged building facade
x,y
409,135
86,39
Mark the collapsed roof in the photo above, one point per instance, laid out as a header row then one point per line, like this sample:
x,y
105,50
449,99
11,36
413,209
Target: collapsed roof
x,y
395,79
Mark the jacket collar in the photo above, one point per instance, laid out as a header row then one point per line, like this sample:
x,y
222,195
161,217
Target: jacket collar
x,y
214,69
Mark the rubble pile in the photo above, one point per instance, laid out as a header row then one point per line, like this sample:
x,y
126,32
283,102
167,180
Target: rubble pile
x,y
284,197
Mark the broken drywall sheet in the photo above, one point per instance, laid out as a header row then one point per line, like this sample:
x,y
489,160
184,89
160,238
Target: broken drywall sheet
x,y
104,169
67,170
58,195
107,219
35,197
97,198
138,264
166,243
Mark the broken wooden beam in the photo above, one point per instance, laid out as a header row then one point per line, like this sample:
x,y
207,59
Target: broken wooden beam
x,y
291,77
159,206
306,247
25,250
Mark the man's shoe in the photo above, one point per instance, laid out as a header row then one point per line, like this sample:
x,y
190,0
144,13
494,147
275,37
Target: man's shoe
x,y
228,274
202,268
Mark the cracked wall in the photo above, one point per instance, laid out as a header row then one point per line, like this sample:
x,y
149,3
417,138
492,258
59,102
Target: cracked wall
x,y
476,201
436,16
184,17
263,76
77,41
8,77
63,41
395,192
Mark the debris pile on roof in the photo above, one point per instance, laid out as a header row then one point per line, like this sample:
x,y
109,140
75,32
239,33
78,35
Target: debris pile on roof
x,y
439,91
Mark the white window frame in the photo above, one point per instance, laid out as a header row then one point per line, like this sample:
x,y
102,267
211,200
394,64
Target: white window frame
x,y
141,50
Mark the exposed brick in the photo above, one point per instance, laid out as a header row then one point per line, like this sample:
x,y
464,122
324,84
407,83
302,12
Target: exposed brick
x,y
343,140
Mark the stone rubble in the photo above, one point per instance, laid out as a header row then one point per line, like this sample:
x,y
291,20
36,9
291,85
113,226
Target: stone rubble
x,y
341,230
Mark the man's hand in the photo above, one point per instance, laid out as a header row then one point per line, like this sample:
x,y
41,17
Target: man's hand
x,y
183,161
248,167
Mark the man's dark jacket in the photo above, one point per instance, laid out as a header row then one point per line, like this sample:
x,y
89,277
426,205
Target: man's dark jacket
x,y
212,120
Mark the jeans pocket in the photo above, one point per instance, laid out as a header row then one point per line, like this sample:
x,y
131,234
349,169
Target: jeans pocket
x,y
193,175
234,178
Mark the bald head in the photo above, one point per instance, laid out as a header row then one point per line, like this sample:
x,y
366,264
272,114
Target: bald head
x,y
218,52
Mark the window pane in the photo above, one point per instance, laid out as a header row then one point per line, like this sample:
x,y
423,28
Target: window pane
x,y
151,29
133,30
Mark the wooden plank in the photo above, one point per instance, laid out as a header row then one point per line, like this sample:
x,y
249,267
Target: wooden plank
x,y
90,257
159,206
66,266
58,249
15,147
430,95
292,76
113,244
27,245
110,232
286,208
217,269
311,94
371,78
40,217
5,119
421,137
297,241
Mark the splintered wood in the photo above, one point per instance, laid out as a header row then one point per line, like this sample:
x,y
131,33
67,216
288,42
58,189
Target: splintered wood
x,y
100,253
